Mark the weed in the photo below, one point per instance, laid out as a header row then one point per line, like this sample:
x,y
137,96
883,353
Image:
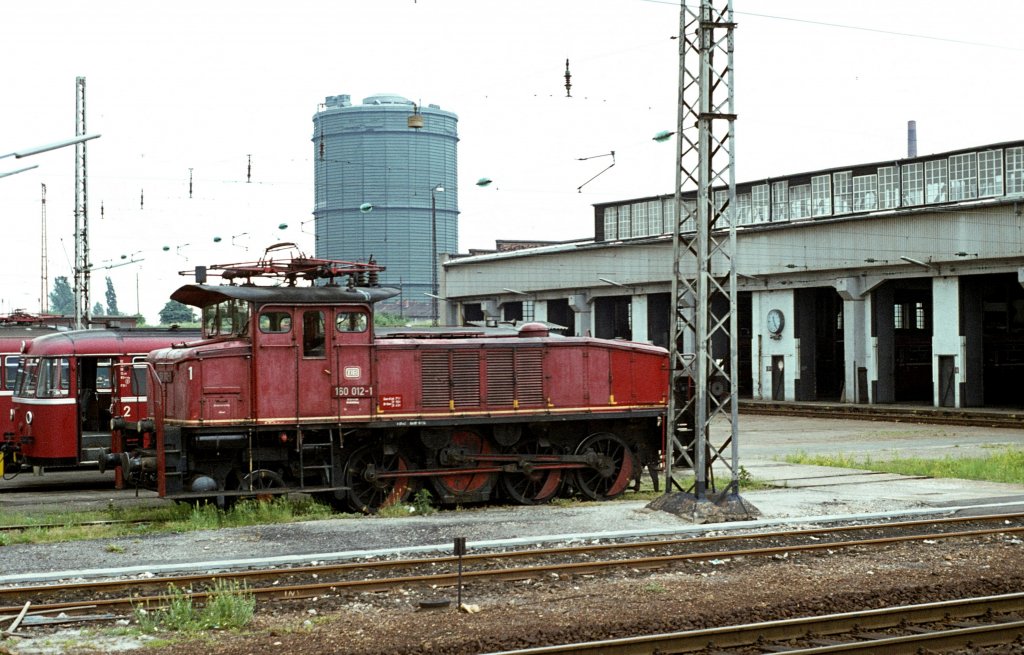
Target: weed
x,y
114,548
654,588
229,606
423,502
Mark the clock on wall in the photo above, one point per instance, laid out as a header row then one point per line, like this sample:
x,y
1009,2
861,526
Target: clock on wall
x,y
776,321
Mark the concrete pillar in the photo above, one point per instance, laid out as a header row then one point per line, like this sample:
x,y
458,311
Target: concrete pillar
x,y
638,318
540,310
946,339
856,333
580,304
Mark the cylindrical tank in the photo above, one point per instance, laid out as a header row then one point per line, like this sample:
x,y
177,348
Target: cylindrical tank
x,y
386,189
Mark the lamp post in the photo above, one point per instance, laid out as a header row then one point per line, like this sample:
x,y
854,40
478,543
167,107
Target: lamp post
x,y
438,188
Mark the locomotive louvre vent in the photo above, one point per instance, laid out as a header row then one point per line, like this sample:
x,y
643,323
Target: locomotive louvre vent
x,y
450,378
515,374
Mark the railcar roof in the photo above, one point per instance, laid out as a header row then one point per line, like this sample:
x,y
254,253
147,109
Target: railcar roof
x,y
103,342
203,295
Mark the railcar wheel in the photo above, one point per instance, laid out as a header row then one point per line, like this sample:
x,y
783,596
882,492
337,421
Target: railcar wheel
x,y
368,491
532,486
261,480
611,470
462,452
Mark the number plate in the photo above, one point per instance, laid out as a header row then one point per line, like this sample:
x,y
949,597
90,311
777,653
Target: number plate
x,y
355,391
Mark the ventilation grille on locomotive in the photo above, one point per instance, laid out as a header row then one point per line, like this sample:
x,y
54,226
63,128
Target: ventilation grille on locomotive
x,y
515,374
450,378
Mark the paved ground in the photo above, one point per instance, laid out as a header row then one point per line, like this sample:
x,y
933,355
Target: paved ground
x,y
805,492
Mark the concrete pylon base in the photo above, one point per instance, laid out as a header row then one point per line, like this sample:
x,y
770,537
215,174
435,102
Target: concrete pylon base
x,y
714,508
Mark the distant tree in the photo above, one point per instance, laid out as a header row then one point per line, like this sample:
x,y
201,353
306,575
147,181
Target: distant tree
x,y
97,310
175,312
62,298
111,299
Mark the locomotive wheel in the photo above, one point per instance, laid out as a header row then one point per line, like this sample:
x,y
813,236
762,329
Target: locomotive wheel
x,y
368,492
461,452
532,487
613,470
261,480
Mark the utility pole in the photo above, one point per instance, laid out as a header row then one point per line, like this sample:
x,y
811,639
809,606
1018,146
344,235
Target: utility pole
x,y
703,264
82,264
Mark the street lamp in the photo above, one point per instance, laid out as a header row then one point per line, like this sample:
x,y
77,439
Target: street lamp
x,y
438,188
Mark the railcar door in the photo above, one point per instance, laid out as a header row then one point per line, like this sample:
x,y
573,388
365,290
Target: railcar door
x,y
353,339
275,368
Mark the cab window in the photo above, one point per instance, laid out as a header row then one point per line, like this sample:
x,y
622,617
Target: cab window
x,y
54,378
351,322
28,378
228,318
313,334
275,322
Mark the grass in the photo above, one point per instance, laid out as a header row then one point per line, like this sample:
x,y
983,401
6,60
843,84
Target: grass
x,y
51,527
1004,465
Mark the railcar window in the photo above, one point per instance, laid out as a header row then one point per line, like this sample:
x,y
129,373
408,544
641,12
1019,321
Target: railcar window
x,y
28,378
140,380
11,370
275,322
54,378
313,336
103,375
351,322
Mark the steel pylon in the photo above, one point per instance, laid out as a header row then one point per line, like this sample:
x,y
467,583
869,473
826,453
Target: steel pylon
x,y
703,348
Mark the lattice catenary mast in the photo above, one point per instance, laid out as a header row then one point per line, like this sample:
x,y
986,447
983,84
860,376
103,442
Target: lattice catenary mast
x,y
704,265
82,264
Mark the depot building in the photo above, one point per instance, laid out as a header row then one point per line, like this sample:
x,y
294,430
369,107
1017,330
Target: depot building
x,y
896,281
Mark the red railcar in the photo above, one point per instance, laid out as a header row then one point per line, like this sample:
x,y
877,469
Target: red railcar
x,y
13,339
293,388
63,398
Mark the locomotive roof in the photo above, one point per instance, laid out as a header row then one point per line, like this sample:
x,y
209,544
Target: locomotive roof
x,y
203,295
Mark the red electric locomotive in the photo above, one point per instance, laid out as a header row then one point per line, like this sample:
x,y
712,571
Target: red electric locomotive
x,y
63,395
293,389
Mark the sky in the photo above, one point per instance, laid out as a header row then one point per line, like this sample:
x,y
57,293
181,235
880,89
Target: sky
x,y
206,88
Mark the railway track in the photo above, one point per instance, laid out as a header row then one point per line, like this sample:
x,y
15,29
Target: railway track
x,y
930,627
901,414
386,575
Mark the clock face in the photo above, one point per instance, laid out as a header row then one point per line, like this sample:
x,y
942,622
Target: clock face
x,y
776,321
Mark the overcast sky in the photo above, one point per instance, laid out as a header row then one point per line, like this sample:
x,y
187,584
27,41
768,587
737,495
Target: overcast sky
x,y
205,85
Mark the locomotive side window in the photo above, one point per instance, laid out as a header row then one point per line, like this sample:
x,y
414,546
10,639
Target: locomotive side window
x,y
313,334
275,322
225,318
351,322
11,370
